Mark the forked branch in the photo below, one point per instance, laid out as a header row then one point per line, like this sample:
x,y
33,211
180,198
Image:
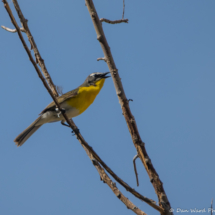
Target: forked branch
x,y
91,153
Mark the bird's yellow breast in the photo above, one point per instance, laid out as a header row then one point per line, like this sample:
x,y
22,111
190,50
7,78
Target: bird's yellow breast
x,y
85,96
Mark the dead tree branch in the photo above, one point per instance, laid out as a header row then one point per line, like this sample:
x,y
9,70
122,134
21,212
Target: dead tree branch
x,y
91,153
138,143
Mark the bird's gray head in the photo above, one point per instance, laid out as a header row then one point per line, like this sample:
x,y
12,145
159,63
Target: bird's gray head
x,y
94,77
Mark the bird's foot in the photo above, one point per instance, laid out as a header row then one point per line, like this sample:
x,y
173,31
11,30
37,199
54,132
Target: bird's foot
x,y
62,123
76,131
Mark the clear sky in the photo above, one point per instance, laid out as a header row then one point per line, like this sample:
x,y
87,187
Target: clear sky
x,y
166,59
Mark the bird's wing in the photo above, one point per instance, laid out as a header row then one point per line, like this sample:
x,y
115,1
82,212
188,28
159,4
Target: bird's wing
x,y
61,99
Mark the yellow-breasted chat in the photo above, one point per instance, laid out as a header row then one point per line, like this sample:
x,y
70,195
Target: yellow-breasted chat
x,y
74,103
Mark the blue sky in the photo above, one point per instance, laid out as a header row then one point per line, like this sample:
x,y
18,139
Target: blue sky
x,y
165,57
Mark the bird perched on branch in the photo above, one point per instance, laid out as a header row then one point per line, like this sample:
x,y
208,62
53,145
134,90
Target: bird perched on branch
x,y
73,103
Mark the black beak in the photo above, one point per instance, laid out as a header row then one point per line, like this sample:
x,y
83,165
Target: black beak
x,y
104,75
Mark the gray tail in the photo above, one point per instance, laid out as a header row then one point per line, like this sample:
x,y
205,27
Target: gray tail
x,y
21,138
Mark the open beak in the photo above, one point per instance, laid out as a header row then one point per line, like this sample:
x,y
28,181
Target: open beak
x,y
104,75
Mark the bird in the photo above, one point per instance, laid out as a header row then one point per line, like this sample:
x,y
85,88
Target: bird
x,y
73,103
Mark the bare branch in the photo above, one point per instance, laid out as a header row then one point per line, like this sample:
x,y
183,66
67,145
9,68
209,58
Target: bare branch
x,y
91,153
12,30
138,143
101,58
135,169
114,21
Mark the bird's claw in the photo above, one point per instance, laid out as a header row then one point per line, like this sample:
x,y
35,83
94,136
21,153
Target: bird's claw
x,y
75,131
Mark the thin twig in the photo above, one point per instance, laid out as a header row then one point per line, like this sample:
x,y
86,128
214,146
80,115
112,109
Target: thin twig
x,y
138,143
12,30
101,58
212,207
135,169
114,21
91,153
123,9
